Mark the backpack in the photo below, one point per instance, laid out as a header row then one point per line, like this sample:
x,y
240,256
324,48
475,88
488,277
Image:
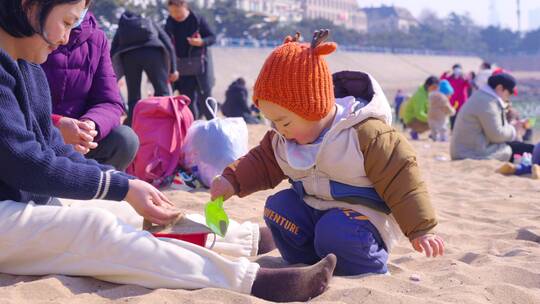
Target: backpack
x,y
161,124
135,30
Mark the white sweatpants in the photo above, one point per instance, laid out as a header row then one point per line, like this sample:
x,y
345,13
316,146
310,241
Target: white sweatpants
x,y
92,241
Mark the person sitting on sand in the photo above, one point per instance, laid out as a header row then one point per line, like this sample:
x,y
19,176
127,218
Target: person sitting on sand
x,y
237,103
530,164
86,100
482,130
355,180
36,166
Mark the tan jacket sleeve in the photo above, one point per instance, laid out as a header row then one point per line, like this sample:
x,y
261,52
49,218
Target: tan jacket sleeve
x,y
390,164
448,109
255,171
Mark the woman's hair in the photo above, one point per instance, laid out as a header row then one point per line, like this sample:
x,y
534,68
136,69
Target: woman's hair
x,y
14,15
177,2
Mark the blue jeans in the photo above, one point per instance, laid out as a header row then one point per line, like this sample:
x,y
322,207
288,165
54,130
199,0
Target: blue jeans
x,y
305,235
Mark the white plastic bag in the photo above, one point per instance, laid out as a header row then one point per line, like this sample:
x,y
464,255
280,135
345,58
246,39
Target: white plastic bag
x,y
212,145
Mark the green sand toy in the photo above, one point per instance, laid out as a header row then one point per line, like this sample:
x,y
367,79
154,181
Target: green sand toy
x,y
216,218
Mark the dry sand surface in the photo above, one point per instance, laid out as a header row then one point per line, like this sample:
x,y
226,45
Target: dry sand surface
x,y
393,71
491,225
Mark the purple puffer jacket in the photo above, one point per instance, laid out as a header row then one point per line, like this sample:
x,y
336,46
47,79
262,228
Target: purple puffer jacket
x,y
82,81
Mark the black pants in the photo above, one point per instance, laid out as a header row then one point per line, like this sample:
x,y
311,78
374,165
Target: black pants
x,y
519,147
197,91
117,149
151,60
452,121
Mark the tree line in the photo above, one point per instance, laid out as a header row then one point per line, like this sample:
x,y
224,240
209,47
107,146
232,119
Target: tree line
x,y
453,33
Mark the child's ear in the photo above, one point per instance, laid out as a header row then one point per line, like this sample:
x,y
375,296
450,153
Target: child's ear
x,y
325,48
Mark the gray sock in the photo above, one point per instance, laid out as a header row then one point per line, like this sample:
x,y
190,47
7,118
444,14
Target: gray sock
x,y
294,283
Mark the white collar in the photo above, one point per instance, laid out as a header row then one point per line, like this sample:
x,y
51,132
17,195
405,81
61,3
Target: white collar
x,y
486,88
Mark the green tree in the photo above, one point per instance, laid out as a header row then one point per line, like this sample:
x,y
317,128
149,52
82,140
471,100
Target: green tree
x,y
531,42
500,41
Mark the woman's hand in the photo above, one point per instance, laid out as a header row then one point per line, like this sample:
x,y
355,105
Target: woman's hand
x,y
150,203
80,134
195,41
174,76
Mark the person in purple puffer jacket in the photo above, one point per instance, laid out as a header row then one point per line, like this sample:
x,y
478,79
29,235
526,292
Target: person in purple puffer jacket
x,y
86,101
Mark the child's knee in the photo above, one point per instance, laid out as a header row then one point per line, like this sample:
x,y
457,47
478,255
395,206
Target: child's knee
x,y
355,242
277,201
286,214
283,204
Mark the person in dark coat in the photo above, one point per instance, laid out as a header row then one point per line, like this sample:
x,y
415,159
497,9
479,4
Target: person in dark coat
x,y
191,37
140,45
86,101
236,102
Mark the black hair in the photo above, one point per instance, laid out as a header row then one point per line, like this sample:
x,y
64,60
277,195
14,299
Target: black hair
x,y
14,15
177,2
486,65
240,81
507,81
431,80
457,65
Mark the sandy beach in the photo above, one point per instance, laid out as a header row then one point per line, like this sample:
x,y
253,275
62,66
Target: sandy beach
x,y
491,225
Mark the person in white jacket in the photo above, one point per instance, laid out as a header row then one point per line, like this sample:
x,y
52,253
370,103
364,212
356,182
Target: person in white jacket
x,y
483,74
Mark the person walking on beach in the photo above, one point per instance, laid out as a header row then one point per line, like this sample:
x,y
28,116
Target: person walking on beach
x,y
37,167
355,180
140,45
85,97
192,38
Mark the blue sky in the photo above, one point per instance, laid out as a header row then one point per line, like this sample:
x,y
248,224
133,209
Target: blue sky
x,y
478,9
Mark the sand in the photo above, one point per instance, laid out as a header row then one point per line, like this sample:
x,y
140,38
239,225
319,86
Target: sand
x,y
491,225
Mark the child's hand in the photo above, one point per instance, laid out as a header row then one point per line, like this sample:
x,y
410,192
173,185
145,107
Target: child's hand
x,y
221,187
431,244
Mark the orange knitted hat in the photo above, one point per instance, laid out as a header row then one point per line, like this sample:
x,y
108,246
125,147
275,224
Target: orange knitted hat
x,y
296,77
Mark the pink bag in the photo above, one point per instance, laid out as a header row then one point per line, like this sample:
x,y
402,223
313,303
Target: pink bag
x,y
161,124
